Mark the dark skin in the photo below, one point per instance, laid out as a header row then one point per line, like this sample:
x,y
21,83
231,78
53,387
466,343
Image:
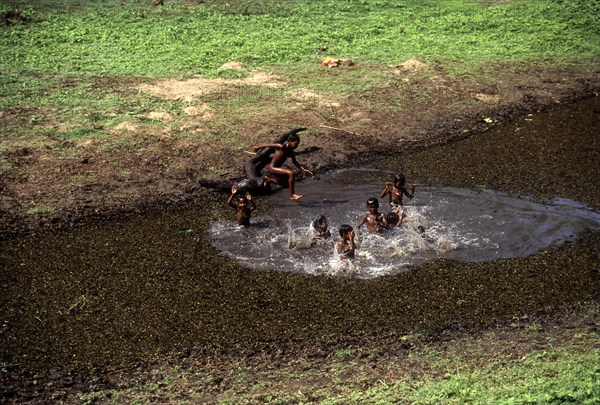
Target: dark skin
x,y
346,246
401,219
282,175
244,206
397,191
320,230
375,220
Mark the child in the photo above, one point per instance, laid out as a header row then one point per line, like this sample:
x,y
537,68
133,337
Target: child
x,y
283,176
395,218
397,191
318,228
244,205
255,165
346,246
375,220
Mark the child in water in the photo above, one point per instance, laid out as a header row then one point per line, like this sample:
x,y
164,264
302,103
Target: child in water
x,y
318,228
375,220
346,246
244,205
397,191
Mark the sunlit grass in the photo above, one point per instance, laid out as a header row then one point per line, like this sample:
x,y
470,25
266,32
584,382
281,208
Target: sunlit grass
x,y
110,38
60,58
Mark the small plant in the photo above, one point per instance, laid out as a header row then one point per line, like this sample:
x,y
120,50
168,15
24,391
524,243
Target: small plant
x,y
40,210
344,353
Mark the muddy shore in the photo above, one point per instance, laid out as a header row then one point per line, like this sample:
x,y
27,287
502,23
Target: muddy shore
x,y
63,185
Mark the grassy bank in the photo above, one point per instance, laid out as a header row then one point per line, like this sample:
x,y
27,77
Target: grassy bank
x,y
110,38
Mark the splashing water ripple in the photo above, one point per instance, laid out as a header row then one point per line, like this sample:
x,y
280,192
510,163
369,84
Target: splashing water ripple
x,y
442,222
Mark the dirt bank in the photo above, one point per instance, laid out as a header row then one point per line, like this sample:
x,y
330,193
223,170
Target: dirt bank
x,y
62,184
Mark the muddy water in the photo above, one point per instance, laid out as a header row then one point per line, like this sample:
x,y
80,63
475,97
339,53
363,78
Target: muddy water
x,y
119,293
441,222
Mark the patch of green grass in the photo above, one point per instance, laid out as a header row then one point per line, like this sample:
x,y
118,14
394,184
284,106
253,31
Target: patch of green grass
x,y
545,377
180,39
564,375
40,209
344,352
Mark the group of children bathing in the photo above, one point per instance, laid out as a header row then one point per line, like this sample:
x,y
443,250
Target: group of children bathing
x,y
376,221
243,202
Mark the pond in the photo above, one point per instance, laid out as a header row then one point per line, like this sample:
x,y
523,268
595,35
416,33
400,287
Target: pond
x,y
442,222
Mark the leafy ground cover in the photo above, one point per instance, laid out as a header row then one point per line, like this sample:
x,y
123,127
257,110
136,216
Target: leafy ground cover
x,y
113,108
549,358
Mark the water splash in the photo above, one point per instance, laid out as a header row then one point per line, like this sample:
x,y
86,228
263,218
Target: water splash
x,y
459,224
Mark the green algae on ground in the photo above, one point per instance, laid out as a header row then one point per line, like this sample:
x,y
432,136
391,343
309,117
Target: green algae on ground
x,y
117,293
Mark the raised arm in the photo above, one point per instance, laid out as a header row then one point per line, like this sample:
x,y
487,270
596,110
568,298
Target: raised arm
x,y
251,203
230,201
412,191
387,190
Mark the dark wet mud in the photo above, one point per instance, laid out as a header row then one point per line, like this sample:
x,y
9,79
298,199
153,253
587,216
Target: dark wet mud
x,y
114,295
545,155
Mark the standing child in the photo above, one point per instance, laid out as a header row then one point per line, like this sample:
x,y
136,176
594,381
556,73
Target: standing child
x,y
280,175
346,246
244,205
397,191
375,220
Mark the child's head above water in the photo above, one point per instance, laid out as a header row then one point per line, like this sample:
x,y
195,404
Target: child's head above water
x,y
345,229
320,223
399,180
372,203
293,140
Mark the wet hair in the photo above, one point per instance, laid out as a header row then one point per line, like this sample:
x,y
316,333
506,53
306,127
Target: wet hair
x,y
373,201
392,218
293,138
245,185
344,229
399,177
318,220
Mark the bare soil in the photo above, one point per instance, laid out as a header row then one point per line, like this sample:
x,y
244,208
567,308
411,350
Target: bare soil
x,y
435,109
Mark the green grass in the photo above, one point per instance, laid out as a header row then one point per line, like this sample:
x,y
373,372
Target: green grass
x,y
69,68
546,377
39,210
108,38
